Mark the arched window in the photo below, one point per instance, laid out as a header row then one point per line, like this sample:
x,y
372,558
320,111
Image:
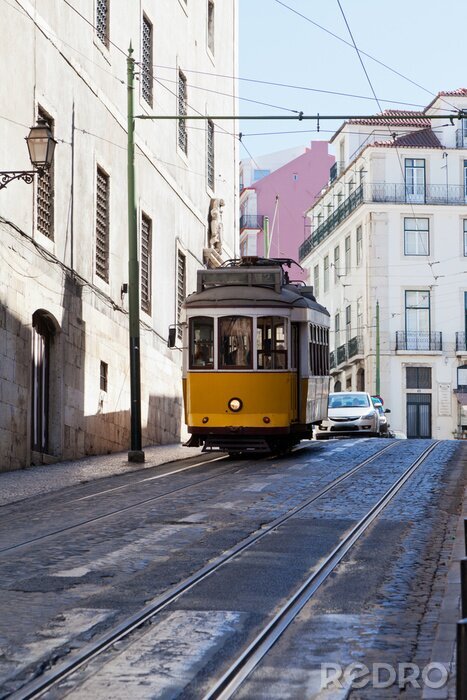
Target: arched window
x,y
337,386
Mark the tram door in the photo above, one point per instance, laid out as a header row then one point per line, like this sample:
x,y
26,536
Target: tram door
x,y
419,415
295,366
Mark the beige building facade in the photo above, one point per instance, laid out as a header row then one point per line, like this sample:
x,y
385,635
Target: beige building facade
x,y
387,255
64,338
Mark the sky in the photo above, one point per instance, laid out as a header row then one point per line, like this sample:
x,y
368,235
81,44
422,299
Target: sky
x,y
280,42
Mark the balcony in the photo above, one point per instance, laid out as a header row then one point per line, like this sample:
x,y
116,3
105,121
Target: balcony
x,y
340,214
253,221
461,341
399,193
341,354
387,193
355,346
335,170
419,341
332,360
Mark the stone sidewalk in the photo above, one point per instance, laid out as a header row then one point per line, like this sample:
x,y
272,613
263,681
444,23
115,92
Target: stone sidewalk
x,y
32,481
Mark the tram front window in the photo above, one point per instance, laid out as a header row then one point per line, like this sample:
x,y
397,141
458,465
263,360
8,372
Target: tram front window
x,y
202,343
235,342
271,342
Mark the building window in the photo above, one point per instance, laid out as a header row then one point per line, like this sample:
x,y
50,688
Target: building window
x,y
348,323
104,376
102,21
360,316
181,288
415,180
146,263
418,377
347,255
465,179
326,274
210,154
337,330
359,245
417,312
211,26
361,175
146,62
465,237
45,189
416,236
337,254
102,225
316,281
182,111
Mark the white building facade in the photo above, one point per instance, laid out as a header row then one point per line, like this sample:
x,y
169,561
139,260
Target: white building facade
x,y
64,339
388,257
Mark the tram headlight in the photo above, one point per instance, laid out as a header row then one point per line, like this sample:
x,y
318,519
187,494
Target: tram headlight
x,y
235,404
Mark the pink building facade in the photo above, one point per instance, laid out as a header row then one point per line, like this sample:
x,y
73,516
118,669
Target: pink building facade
x,y
272,209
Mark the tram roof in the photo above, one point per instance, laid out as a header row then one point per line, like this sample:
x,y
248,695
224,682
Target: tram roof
x,y
255,295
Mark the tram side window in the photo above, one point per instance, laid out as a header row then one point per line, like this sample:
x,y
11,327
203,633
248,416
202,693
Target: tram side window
x,y
271,342
235,334
202,342
319,350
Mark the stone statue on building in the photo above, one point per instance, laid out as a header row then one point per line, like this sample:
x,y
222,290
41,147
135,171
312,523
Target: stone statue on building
x,y
215,224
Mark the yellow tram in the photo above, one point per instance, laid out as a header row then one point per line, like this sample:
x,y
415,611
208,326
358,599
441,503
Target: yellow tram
x,y
256,358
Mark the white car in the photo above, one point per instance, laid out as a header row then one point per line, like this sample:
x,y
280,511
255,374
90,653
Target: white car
x,y
349,413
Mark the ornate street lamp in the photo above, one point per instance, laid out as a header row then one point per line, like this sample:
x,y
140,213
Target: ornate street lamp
x,y
41,145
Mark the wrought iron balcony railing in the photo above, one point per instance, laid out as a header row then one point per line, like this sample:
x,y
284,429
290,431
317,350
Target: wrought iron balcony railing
x,y
461,341
254,221
396,193
341,354
419,340
338,215
355,346
332,360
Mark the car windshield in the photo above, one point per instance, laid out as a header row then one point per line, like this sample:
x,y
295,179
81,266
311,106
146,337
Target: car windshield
x,y
348,401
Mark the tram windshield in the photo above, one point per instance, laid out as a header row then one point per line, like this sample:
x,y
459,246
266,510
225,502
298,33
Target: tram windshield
x,y
235,334
202,342
271,343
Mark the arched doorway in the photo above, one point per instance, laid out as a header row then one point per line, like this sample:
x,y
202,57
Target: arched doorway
x,y
44,328
337,385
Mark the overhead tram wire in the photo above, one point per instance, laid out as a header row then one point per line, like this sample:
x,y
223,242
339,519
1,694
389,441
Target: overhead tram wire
x,y
288,86
399,158
364,53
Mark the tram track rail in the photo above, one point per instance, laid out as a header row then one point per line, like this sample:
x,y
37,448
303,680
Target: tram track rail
x,y
251,657
92,650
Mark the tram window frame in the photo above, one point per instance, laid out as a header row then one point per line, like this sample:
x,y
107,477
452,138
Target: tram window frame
x,y
319,350
233,352
268,355
200,357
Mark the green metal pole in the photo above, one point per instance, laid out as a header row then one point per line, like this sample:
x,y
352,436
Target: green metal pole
x,y
135,453
378,377
266,236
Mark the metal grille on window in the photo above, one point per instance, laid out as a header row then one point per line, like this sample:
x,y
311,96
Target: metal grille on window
x,y
102,21
146,263
102,225
210,154
182,110
418,377
146,67
181,288
45,192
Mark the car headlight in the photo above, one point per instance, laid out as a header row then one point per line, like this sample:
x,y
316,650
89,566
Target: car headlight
x,y
235,404
371,414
